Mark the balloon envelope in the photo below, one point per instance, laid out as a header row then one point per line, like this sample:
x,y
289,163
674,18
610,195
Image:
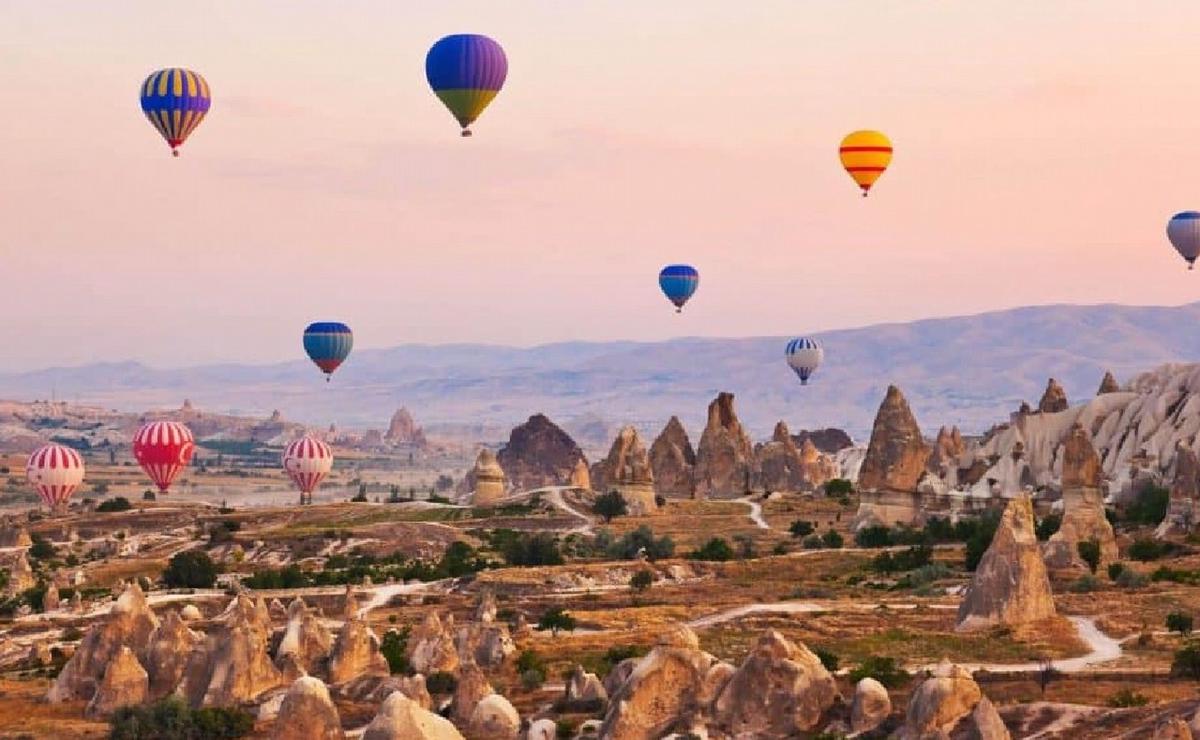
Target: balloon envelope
x,y
865,155
466,71
176,101
804,356
328,344
1184,232
163,449
307,461
678,283
55,471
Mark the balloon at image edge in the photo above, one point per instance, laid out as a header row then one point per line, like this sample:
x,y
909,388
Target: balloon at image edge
x,y
307,461
55,471
176,101
678,283
1183,230
865,156
163,449
466,72
328,344
804,356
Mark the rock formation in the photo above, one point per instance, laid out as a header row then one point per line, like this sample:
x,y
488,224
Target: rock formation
x,y
779,690
725,457
307,713
673,461
50,600
486,643
485,606
13,534
950,704
1054,399
232,665
356,653
431,646
400,718
1010,585
124,683
167,653
784,466
1183,507
583,692
581,477
539,453
948,449
627,471
471,688
870,707
486,480
189,613
1108,384
402,430
542,729
305,639
896,454
829,440
1083,506
20,575
494,718
130,624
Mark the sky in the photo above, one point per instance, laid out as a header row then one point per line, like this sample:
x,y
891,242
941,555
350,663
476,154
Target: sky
x,y
1040,149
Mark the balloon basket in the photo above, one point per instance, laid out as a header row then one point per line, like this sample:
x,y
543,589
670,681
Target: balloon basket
x,y
174,152
466,132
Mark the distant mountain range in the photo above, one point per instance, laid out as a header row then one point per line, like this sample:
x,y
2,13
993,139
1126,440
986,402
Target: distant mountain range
x,y
966,370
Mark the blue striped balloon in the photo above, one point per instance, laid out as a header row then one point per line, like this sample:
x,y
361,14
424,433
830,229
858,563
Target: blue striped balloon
x,y
466,72
678,283
328,344
804,356
176,101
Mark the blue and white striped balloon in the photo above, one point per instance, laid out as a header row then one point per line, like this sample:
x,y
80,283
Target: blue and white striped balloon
x,y
1184,232
804,356
678,283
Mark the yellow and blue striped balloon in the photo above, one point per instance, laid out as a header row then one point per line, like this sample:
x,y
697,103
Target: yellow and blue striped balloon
x,y
466,71
175,100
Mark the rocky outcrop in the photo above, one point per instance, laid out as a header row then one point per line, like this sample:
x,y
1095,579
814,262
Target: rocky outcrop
x,y
130,624
581,476
431,646
539,453
166,655
1183,506
471,688
1010,585
663,692
1083,506
305,640
233,665
829,441
627,471
725,457
950,704
485,606
778,462
486,481
673,461
402,430
51,600
542,729
13,534
400,718
124,683
1054,399
189,613
583,692
948,449
870,706
779,690
896,454
486,643
1108,384
356,653
494,718
307,713
20,575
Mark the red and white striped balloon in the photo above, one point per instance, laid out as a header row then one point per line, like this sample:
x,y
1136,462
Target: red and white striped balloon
x,y
307,461
163,448
55,471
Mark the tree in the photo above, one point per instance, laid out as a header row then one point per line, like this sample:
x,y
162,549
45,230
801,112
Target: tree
x,y
609,505
715,549
1089,550
801,528
884,670
171,717
876,535
394,648
832,540
641,580
556,619
120,503
190,569
838,487
1187,661
1047,526
361,498
42,548
1115,570
1179,622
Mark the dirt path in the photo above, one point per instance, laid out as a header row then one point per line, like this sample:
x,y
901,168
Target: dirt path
x,y
554,494
755,511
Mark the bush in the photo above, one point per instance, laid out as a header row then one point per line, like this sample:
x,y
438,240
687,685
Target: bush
x,y
637,542
982,530
172,718
1187,661
609,505
832,540
1164,573
838,487
557,619
42,549
914,557
441,683
1048,526
530,661
533,550
1115,570
1179,622
828,659
884,670
1131,579
1089,551
120,503
641,580
812,542
715,549
801,528
1127,698
147,495
394,646
1144,549
1086,584
745,546
190,569
532,680
1150,506
876,535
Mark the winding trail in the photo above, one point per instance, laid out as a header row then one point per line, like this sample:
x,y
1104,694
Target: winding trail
x,y
755,511
554,496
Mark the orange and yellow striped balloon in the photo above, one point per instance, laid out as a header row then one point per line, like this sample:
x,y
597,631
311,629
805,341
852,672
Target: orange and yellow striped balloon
x,y
865,155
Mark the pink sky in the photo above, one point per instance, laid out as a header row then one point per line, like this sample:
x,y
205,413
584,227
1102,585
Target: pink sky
x,y
1040,148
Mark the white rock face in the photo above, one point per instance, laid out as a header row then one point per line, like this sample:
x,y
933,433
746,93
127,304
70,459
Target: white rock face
x,y
400,718
870,707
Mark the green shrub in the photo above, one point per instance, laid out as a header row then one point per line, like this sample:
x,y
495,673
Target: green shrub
x,y
1165,573
1127,698
120,503
172,718
1115,570
528,660
533,550
838,487
1187,661
876,535
1150,506
190,569
641,580
441,683
980,532
1131,579
716,549
884,670
1145,548
632,544
1089,551
532,680
914,557
556,619
812,542
801,528
832,540
42,549
828,659
1046,527
1086,584
610,505
1179,622
394,648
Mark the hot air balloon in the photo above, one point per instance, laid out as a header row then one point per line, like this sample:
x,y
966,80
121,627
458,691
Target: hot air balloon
x,y
804,356
55,471
163,448
865,155
1184,232
678,282
466,70
328,344
175,100
307,461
